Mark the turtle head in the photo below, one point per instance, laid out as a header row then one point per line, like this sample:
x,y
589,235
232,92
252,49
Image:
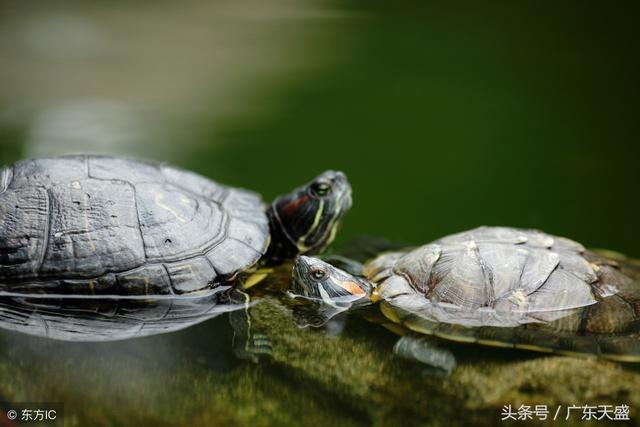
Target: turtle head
x,y
317,280
305,221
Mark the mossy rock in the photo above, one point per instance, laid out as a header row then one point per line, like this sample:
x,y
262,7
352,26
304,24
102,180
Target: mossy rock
x,y
312,379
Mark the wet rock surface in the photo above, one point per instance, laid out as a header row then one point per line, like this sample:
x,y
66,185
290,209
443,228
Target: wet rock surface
x,y
313,378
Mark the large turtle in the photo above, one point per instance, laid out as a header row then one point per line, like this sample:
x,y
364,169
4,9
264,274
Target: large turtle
x,y
104,248
496,286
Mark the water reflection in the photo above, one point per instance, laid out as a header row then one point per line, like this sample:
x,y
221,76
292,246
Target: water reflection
x,y
107,319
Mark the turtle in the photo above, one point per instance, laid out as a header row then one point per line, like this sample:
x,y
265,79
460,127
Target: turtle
x,y
100,248
496,286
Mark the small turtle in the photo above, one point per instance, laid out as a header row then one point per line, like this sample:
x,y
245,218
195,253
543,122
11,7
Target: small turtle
x,y
104,248
495,286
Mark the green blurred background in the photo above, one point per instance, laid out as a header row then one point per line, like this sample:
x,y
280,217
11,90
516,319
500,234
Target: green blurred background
x,y
444,115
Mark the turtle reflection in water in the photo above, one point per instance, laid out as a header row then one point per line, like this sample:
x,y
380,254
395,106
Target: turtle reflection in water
x,y
102,248
495,286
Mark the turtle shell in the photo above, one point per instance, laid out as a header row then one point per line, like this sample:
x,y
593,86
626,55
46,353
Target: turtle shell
x,y
82,225
514,288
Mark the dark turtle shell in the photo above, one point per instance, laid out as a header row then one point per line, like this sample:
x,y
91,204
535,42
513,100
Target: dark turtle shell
x,y
514,288
83,225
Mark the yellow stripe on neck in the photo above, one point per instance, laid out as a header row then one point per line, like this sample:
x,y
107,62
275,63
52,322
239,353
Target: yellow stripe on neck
x,y
316,221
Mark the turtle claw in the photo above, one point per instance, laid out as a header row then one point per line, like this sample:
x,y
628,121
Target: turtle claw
x,y
439,361
249,343
432,372
261,345
256,348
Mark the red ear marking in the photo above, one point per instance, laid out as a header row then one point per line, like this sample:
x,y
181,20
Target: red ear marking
x,y
291,207
352,288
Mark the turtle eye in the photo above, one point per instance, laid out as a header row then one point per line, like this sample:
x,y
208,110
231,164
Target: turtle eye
x,y
321,188
318,274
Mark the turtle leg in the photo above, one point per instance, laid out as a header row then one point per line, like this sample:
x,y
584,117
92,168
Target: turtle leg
x,y
423,349
249,342
258,276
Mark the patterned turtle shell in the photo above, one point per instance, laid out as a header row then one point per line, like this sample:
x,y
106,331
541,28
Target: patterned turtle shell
x,y
514,288
83,225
